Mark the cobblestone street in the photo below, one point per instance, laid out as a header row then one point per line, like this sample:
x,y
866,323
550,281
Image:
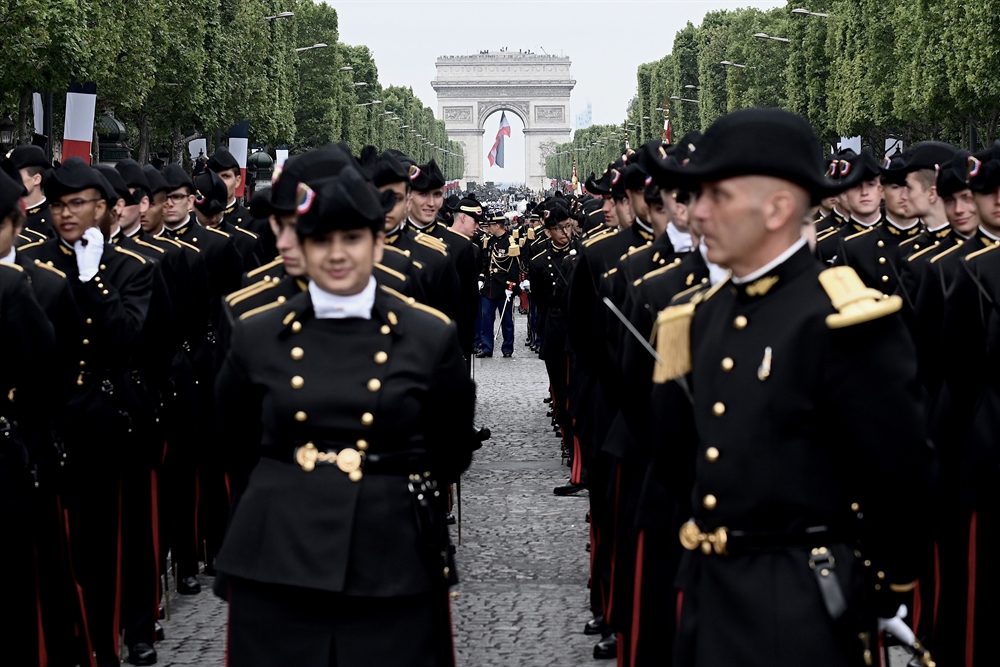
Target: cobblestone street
x,y
522,600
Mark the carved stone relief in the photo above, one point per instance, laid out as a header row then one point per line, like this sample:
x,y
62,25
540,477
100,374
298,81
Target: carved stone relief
x,y
550,113
458,113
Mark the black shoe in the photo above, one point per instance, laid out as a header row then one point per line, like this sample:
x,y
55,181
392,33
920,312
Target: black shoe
x,y
450,519
188,586
508,355
160,634
547,399
483,355
142,654
607,648
595,626
568,490
161,613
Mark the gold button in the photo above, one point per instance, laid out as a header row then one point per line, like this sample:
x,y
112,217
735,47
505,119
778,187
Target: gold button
x,y
367,419
297,353
727,364
374,384
103,267
855,507
104,292
712,454
296,327
100,285
709,502
90,321
86,342
393,319
881,244
719,409
885,279
194,240
881,260
362,445
300,416
381,357
881,575
385,329
298,382
740,322
82,364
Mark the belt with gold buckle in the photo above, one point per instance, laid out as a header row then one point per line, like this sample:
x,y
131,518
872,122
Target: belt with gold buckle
x,y
692,538
349,460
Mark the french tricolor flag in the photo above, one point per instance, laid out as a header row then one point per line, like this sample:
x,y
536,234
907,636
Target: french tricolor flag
x,y
78,129
239,145
496,153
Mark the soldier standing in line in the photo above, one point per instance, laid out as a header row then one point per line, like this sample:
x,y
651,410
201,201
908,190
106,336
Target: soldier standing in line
x,y
497,279
236,215
33,165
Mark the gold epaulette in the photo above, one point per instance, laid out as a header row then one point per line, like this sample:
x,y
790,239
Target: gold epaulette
x,y
655,272
131,254
26,238
672,336
599,237
610,272
827,233
260,309
42,265
538,255
218,231
393,248
260,269
464,236
418,264
909,240
921,253
687,291
30,245
250,291
184,244
861,233
391,272
41,237
248,233
531,233
983,251
854,302
12,266
943,253
410,301
486,241
150,245
514,250
171,241
424,240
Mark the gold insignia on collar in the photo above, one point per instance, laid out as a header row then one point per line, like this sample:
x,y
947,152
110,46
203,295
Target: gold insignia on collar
x,y
761,286
892,230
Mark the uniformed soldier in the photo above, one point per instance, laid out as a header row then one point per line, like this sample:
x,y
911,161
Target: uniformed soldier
x,y
236,215
211,215
364,439
792,511
498,276
31,162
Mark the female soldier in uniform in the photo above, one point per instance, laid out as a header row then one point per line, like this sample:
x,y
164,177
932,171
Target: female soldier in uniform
x,y
355,407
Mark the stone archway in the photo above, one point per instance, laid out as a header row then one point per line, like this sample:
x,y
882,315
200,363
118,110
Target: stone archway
x,y
534,87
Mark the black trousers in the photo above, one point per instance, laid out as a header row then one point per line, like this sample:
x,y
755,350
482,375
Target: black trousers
x,y
273,625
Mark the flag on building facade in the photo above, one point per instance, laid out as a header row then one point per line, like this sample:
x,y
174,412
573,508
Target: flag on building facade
x,y
78,128
496,153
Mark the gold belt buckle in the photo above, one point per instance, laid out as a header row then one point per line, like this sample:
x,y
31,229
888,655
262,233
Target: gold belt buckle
x,y
348,460
692,537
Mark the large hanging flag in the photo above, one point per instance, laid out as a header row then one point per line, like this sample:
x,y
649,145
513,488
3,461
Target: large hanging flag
x,y
668,132
78,129
496,153
239,144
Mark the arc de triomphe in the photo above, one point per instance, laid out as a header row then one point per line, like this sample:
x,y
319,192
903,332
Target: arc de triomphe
x,y
531,86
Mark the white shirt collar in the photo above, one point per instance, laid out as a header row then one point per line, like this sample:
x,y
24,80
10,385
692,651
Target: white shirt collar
x,y
681,241
642,225
987,234
418,225
866,224
837,212
328,306
777,261
10,257
915,222
716,273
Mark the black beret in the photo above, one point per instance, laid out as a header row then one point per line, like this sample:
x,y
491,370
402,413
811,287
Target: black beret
x,y
425,177
11,189
23,157
343,202
955,174
222,160
893,170
131,172
383,168
117,183
155,179
763,142
471,208
617,176
176,178
309,167
853,169
211,194
985,175
553,212
451,203
600,187
636,176
927,155
73,175
107,190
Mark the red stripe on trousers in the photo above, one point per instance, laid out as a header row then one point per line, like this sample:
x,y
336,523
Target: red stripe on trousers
x,y
43,656
637,596
614,545
937,586
970,600
82,613
576,472
680,606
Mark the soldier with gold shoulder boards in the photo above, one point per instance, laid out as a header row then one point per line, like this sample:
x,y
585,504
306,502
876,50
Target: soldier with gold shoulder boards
x,y
236,215
498,276
818,496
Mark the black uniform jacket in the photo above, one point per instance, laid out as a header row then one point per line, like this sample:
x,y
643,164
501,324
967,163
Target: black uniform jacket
x,y
395,383
437,275
239,215
499,271
795,422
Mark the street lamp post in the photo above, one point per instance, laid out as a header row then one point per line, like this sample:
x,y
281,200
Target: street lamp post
x,y
764,35
282,15
806,12
730,63
309,48
684,99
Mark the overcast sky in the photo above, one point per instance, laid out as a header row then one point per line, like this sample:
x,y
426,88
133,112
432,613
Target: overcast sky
x,y
606,40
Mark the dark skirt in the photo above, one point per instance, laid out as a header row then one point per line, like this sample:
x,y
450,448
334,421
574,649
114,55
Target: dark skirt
x,y
272,625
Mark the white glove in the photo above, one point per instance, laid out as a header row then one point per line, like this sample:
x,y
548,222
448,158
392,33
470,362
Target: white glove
x,y
508,292
526,285
88,258
896,627
481,283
